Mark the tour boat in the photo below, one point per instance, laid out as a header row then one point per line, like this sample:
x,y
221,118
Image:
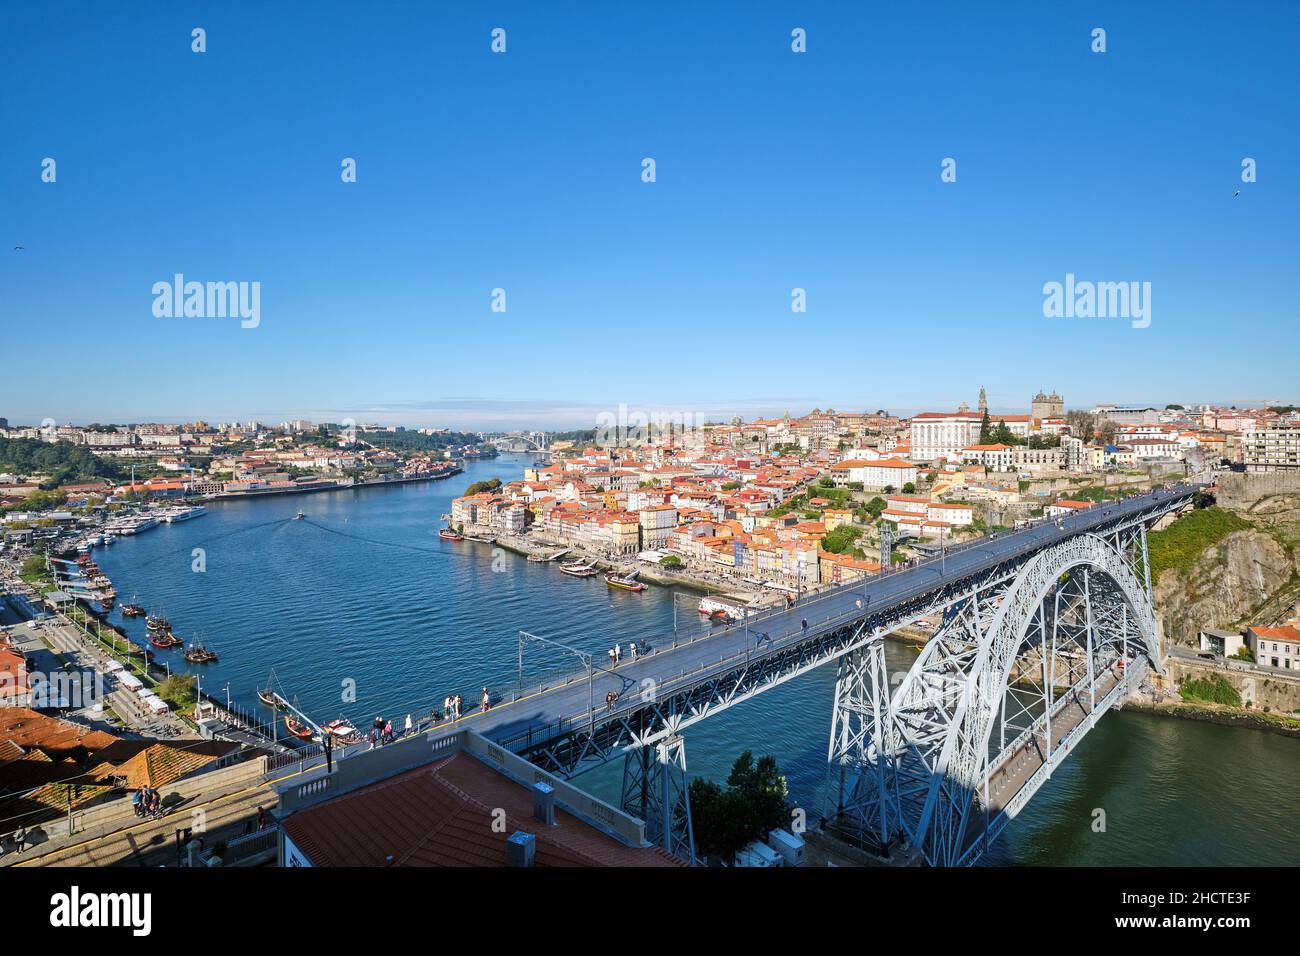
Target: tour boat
x,y
164,639
580,570
132,609
299,515
197,654
615,580
158,623
271,699
297,728
448,535
341,729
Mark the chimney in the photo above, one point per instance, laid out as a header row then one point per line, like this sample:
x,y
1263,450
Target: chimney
x,y
521,847
544,803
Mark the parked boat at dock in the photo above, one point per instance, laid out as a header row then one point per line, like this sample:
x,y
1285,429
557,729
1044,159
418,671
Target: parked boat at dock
x,y
624,582
580,570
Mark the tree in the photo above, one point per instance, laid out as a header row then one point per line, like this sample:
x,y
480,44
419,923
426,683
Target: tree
x,y
876,505
986,430
670,561
752,804
909,488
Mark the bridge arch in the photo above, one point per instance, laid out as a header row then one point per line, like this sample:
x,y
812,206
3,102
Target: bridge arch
x,y
935,764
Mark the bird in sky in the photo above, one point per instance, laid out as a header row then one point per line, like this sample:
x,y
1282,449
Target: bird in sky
x,y
18,248
1236,194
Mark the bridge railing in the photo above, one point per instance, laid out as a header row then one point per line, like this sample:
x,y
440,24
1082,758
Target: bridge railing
x,y
754,650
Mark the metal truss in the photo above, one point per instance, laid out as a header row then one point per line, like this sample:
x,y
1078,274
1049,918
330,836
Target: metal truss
x,y
656,789
916,762
1037,658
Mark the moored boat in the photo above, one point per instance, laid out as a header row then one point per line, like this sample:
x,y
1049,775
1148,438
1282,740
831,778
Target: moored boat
x,y
297,728
447,534
132,609
623,583
165,639
579,570
271,699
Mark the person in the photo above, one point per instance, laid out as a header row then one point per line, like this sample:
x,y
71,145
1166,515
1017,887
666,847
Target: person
x,y
408,725
446,705
388,731
261,818
631,650
137,804
460,702
858,602
618,653
372,738
20,839
487,700
611,657
609,700
789,601
643,645
804,624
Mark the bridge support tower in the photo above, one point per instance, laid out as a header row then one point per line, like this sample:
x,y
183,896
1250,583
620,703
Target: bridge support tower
x,y
656,789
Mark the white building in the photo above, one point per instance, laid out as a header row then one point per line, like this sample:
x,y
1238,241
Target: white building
x,y
943,435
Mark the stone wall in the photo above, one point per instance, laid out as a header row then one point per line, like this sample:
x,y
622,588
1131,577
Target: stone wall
x,y
1279,694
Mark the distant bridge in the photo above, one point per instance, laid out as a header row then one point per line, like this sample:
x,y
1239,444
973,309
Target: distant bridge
x,y
1042,631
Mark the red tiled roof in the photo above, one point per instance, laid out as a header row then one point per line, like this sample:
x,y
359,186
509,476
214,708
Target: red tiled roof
x,y
442,815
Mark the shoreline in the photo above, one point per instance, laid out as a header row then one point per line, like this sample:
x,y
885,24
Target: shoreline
x,y
1219,714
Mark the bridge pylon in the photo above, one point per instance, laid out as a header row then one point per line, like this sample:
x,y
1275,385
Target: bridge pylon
x,y
656,789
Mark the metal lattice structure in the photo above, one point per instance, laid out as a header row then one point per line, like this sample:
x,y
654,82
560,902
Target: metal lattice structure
x,y
1040,633
1017,672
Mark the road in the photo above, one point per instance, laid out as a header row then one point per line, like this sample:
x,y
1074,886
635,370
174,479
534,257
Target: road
x,y
673,666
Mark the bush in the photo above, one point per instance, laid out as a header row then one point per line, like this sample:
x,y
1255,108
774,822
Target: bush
x,y
670,561
1213,690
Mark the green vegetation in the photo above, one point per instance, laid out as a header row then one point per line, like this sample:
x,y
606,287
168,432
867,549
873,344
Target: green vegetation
x,y
875,506
33,567
492,484
179,691
670,561
1179,545
413,441
752,803
731,486
1244,654
1212,690
61,462
840,541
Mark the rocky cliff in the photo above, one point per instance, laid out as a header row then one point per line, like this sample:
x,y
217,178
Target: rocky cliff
x,y
1230,585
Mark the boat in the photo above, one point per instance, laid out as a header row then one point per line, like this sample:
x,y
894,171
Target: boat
x,y
165,639
132,609
271,699
623,583
449,535
341,730
199,654
157,623
299,516
297,728
548,557
580,570
485,539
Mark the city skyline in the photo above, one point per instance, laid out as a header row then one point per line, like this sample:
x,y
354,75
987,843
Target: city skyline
x,y
818,171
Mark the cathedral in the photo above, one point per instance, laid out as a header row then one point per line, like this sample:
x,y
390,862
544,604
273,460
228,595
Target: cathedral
x,y
1047,406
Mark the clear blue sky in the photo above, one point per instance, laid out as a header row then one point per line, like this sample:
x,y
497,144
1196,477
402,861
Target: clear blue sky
x,y
522,171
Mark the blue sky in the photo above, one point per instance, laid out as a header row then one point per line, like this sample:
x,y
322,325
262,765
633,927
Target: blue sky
x,y
522,171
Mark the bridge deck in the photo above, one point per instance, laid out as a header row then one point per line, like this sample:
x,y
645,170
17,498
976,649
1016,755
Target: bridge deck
x,y
674,667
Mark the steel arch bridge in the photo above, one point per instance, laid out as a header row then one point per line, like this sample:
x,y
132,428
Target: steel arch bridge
x,y
1017,673
1042,631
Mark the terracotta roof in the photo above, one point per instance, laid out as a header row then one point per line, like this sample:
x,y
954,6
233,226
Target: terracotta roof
x,y
442,815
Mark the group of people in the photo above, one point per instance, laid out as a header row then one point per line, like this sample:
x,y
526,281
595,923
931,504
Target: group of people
x,y
450,708
634,649
147,802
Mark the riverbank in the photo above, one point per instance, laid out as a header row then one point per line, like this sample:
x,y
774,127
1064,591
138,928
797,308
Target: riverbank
x,y
1221,714
530,545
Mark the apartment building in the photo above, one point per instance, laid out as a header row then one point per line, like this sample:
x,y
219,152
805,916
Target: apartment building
x,y
1274,448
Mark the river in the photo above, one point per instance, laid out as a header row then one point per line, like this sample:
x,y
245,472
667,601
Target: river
x,y
361,610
